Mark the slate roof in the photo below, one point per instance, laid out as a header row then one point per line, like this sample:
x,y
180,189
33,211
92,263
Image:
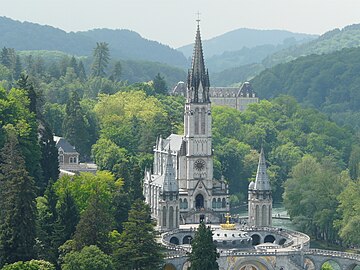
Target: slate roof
x,y
64,145
175,142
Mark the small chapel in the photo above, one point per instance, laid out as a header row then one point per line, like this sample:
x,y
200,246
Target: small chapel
x,y
181,188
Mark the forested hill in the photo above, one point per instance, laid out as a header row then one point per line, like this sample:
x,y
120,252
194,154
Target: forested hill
x,y
328,82
237,39
331,41
335,40
124,44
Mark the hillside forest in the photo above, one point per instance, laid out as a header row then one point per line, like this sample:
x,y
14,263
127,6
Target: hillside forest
x,y
73,222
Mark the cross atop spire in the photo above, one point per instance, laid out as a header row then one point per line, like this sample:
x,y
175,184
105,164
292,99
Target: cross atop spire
x,y
198,77
198,18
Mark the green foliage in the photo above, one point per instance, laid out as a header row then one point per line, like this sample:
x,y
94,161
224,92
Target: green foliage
x,y
84,186
136,247
285,130
75,127
14,110
17,204
334,40
116,72
68,217
349,205
160,85
101,59
327,266
89,258
131,120
327,82
311,196
203,255
95,224
30,265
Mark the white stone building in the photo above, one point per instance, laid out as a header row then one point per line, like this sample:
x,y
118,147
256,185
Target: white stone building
x,y
199,197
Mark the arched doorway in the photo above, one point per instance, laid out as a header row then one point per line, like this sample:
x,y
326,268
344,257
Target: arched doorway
x,y
187,239
282,241
174,240
199,201
255,239
269,239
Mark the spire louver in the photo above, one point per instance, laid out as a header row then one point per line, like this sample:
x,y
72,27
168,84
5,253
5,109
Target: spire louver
x,y
262,180
198,76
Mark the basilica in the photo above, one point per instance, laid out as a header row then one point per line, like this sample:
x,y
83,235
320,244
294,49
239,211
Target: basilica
x,y
181,188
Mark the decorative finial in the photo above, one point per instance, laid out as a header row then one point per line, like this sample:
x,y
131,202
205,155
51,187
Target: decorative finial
x,y
198,17
228,225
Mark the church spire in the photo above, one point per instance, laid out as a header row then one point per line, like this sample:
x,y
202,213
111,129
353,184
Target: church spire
x,y
262,180
198,77
170,183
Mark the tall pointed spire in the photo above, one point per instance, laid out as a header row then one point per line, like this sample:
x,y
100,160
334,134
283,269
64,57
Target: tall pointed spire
x,y
198,76
170,183
262,180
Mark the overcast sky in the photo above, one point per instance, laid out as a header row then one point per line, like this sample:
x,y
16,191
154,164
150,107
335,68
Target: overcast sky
x,y
172,22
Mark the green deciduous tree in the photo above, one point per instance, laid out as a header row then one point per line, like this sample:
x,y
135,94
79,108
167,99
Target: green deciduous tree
x,y
89,258
203,255
311,196
349,209
30,265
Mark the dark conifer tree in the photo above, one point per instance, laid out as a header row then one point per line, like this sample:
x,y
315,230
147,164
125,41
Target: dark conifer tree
x,y
74,126
17,204
25,84
44,231
81,71
95,225
17,68
101,57
137,247
116,73
160,85
203,255
73,64
49,155
5,58
68,218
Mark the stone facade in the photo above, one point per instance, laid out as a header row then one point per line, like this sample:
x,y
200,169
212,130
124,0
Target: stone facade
x,y
233,97
68,156
199,197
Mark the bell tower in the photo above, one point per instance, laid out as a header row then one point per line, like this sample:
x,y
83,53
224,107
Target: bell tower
x,y
260,199
197,121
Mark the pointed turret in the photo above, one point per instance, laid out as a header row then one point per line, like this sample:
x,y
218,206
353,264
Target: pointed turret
x,y
262,180
170,184
198,76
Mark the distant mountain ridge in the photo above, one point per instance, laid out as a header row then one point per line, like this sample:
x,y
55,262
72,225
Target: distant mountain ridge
x,y
124,44
331,41
244,37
